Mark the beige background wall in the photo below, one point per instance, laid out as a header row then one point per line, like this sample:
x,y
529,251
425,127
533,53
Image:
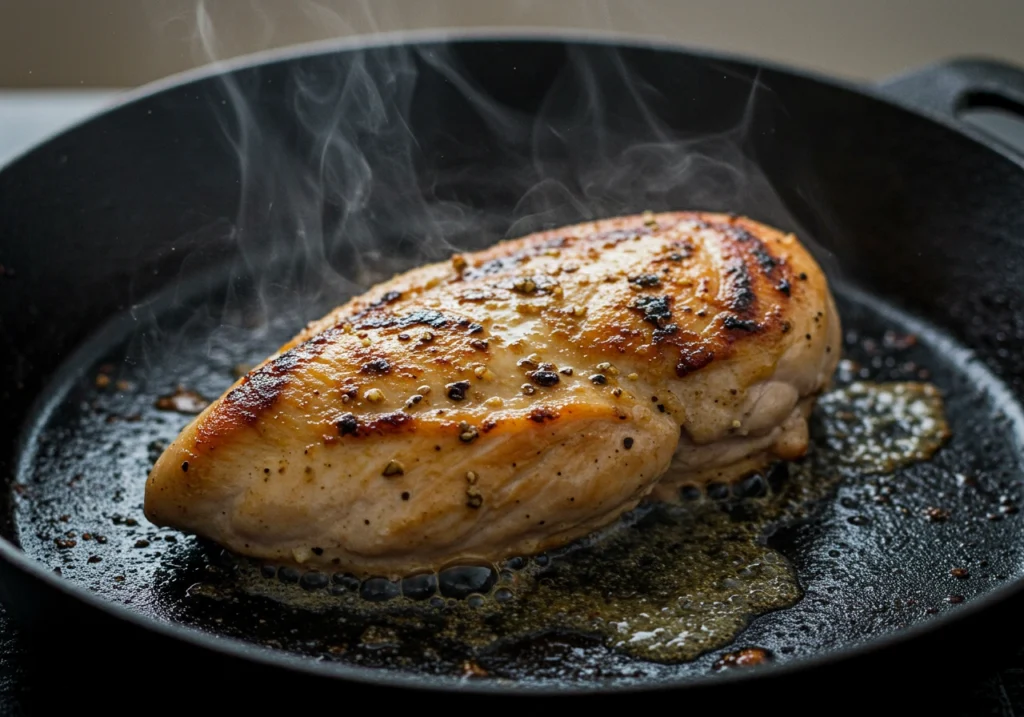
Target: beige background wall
x,y
114,43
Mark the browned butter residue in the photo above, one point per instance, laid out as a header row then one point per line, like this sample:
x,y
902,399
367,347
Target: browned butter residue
x,y
673,581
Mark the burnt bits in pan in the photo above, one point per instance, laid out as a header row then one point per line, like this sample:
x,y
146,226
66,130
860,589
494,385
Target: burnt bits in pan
x,y
859,540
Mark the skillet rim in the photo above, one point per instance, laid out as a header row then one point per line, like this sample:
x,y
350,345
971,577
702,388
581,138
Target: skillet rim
x,y
231,647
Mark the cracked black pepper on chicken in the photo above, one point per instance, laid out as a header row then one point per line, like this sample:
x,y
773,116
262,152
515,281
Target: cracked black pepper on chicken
x,y
512,400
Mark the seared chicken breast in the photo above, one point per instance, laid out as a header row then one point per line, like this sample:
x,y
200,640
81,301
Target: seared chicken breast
x,y
512,400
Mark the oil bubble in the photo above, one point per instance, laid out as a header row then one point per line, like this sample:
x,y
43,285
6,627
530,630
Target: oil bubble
x,y
313,580
379,589
463,580
419,587
347,581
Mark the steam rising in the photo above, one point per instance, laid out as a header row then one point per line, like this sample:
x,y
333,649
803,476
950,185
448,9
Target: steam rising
x,y
400,154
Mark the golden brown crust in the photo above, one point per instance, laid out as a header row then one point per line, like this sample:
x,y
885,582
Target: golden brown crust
x,y
670,306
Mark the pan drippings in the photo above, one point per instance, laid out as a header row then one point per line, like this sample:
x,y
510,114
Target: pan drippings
x,y
873,531
673,581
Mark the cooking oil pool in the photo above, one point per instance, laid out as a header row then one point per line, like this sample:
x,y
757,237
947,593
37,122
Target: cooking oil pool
x,y
667,583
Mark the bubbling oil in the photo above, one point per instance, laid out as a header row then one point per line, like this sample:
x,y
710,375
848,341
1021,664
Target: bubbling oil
x,y
668,582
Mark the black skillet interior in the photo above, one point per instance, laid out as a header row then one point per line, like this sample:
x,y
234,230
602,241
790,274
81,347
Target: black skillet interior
x,y
202,224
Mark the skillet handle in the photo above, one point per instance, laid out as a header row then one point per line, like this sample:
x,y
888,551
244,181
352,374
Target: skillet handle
x,y
983,98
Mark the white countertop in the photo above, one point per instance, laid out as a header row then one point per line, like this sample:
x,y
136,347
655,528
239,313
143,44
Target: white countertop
x,y
30,116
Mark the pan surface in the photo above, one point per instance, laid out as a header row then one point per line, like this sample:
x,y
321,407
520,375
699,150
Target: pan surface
x,y
882,555
215,277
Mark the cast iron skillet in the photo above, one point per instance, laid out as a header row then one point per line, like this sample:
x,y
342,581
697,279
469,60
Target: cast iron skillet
x,y
207,218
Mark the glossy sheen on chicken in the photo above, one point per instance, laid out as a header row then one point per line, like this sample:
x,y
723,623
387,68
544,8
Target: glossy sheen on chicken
x,y
511,400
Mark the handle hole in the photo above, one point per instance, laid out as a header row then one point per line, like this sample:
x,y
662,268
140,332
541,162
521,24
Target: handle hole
x,y
997,116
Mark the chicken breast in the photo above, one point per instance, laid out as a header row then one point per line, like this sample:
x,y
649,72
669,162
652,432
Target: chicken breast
x,y
512,400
